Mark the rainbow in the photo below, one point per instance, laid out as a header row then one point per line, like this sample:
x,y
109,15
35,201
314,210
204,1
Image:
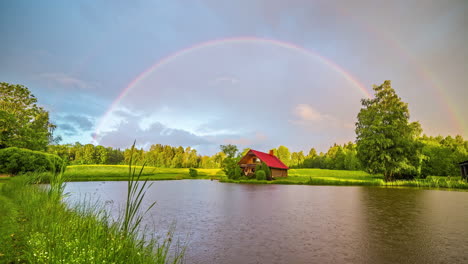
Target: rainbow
x,y
424,73
180,53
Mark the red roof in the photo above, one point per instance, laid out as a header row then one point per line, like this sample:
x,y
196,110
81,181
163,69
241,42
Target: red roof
x,y
270,160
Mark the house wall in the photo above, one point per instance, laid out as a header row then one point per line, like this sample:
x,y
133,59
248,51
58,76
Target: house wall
x,y
278,172
464,171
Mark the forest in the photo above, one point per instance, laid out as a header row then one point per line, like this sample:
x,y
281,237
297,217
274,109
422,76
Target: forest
x,y
440,156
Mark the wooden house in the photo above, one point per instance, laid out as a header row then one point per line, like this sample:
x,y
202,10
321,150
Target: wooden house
x,y
253,158
464,169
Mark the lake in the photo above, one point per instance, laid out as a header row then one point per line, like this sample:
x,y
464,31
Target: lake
x,y
237,223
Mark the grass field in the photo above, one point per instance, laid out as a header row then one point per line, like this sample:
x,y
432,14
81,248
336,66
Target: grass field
x,y
120,173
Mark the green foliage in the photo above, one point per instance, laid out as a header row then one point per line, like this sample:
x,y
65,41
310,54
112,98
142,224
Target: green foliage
x,y
237,173
136,192
356,178
17,161
193,172
442,155
266,169
336,158
229,150
23,123
229,164
36,227
260,175
283,154
386,141
157,156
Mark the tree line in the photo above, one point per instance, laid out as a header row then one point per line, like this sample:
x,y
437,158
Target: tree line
x,y
386,142
440,156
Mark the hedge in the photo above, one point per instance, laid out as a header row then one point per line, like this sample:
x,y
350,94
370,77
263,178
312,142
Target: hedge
x,y
18,160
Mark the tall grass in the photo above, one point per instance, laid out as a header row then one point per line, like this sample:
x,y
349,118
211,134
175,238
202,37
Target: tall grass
x,y
37,227
135,194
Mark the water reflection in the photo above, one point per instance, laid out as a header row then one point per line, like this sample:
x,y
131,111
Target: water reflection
x,y
232,223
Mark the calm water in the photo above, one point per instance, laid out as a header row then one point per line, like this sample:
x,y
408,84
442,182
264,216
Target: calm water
x,y
233,223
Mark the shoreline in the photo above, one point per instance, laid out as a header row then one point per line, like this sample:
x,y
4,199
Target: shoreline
x,y
319,177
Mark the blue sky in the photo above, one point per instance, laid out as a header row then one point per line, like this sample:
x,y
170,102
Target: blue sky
x,y
77,57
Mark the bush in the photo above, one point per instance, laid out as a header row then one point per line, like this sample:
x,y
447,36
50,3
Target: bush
x,y
18,161
262,166
193,172
261,175
267,171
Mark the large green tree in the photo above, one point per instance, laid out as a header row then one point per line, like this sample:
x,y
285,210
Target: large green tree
x,y
386,140
23,123
229,164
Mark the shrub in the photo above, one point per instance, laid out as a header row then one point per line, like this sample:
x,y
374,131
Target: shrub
x,y
262,166
237,173
193,172
17,161
267,170
261,175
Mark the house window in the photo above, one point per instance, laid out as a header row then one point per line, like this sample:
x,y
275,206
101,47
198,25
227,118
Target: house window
x,y
256,160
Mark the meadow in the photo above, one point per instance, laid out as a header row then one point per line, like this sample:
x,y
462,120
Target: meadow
x,y
120,173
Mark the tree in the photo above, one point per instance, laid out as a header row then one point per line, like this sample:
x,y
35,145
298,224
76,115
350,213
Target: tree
x,y
229,164
89,154
284,155
22,122
386,140
229,150
102,155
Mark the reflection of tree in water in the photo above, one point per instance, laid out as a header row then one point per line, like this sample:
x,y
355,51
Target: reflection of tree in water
x,y
397,226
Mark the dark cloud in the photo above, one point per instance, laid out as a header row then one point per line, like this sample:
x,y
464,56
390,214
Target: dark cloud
x,y
67,129
82,122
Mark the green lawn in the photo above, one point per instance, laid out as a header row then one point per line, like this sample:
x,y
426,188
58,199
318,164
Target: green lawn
x,y
333,176
120,173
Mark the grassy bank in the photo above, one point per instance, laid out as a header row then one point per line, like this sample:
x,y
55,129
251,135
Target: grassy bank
x,y
296,176
355,178
120,172
36,227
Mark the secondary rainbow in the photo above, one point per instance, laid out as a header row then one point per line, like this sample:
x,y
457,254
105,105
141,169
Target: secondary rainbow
x,y
255,40
456,118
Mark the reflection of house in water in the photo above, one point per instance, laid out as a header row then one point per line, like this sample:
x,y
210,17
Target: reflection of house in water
x,y
464,169
253,158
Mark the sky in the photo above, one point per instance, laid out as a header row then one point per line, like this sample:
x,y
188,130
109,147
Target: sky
x,y
255,73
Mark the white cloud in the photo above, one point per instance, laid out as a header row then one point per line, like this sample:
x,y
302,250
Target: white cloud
x,y
307,113
309,117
